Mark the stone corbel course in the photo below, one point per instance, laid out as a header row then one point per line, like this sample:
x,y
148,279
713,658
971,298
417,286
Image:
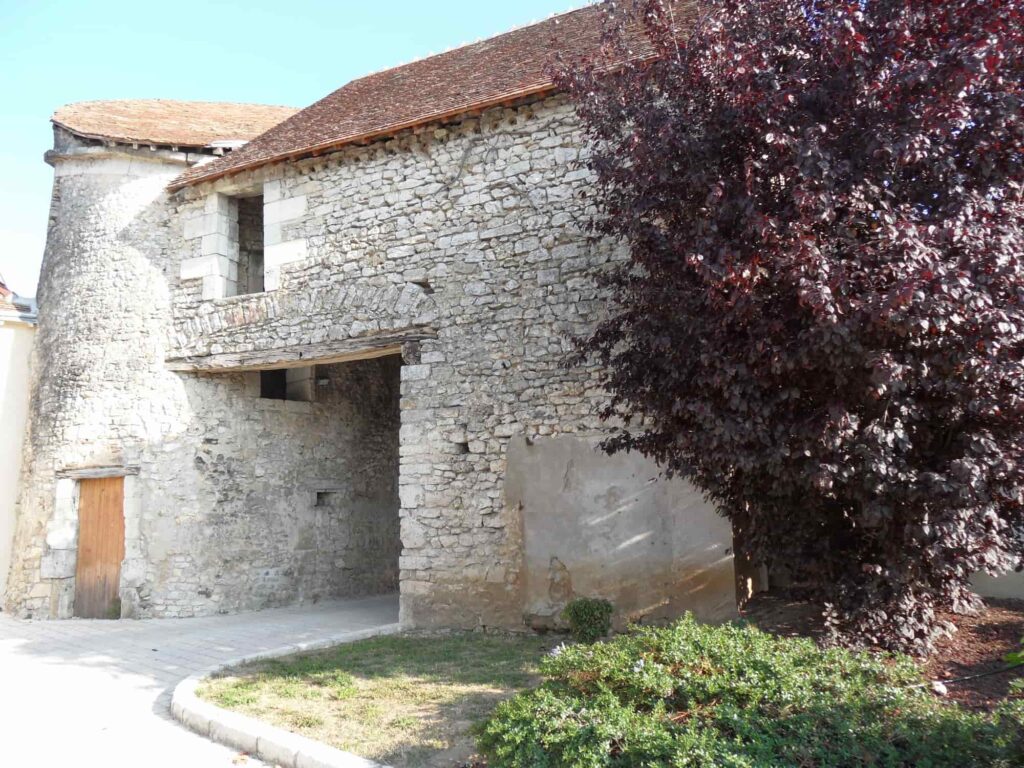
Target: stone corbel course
x,y
352,310
274,745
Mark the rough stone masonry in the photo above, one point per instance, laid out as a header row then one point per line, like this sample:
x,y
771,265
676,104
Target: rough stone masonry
x,y
391,411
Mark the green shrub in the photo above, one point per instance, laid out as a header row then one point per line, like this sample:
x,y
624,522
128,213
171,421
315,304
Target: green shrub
x,y
735,697
590,618
1017,659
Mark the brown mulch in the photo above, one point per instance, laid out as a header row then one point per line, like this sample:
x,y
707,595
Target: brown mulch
x,y
977,647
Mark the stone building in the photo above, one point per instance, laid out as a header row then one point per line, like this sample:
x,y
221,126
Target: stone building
x,y
284,357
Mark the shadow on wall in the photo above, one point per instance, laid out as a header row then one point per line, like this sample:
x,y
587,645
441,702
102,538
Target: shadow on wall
x,y
273,502
608,526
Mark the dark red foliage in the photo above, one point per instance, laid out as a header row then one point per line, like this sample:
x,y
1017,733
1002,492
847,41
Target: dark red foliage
x,y
821,321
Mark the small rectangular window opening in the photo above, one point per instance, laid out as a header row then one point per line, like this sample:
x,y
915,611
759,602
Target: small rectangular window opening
x,y
273,385
297,384
324,498
250,245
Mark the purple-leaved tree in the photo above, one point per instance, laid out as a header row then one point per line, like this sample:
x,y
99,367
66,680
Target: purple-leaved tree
x,y
820,323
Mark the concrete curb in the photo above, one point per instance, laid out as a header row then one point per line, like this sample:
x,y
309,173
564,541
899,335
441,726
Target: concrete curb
x,y
274,745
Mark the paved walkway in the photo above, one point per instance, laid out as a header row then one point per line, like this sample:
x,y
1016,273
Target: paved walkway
x,y
97,693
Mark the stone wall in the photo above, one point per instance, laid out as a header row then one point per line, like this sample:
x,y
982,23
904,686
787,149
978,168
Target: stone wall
x,y
220,507
471,231
238,519
460,244
358,505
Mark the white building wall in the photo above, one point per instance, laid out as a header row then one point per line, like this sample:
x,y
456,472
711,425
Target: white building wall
x,y
1007,585
15,347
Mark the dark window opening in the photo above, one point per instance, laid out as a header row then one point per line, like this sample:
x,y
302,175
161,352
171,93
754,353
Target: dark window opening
x,y
289,384
250,245
273,385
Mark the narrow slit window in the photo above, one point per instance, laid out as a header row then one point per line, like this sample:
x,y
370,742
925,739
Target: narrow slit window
x,y
250,245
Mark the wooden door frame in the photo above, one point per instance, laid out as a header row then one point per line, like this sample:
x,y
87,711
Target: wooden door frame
x,y
60,553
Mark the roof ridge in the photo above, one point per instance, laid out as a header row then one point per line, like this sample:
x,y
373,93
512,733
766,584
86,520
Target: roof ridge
x,y
162,100
462,46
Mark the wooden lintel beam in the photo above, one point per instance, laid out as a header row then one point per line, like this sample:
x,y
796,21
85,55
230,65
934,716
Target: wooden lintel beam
x,y
95,473
344,350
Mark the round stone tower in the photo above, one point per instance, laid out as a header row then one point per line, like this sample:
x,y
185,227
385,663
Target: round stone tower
x,y
101,396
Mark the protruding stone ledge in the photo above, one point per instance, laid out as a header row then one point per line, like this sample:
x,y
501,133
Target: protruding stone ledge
x,y
120,152
267,742
354,311
331,351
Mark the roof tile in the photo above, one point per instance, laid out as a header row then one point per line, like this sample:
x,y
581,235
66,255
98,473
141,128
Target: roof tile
x,y
502,68
174,123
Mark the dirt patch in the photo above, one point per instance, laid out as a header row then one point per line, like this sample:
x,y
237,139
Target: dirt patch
x,y
977,648
784,617
407,701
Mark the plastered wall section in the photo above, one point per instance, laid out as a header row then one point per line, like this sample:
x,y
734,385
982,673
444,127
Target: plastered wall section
x,y
607,526
15,348
1009,585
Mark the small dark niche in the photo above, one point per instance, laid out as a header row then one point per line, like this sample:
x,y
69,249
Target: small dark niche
x,y
324,498
425,285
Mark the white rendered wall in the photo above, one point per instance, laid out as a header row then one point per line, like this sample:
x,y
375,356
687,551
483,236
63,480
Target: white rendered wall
x,y
15,345
1007,585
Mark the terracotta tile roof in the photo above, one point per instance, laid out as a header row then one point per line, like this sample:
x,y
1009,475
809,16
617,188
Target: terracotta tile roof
x,y
174,123
503,68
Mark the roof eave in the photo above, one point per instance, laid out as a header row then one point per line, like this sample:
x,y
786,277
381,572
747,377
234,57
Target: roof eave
x,y
318,149
124,140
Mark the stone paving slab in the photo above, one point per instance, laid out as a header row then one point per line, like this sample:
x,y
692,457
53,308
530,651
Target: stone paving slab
x,y
84,693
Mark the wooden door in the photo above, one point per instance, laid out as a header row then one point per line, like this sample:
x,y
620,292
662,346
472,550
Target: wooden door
x,y
100,548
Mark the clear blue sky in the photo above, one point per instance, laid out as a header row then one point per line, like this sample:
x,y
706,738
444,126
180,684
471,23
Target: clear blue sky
x,y
286,52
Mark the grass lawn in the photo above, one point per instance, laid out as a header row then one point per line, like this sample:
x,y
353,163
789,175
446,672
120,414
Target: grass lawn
x,y
407,701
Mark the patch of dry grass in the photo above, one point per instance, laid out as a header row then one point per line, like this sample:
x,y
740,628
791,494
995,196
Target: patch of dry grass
x,y
407,701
